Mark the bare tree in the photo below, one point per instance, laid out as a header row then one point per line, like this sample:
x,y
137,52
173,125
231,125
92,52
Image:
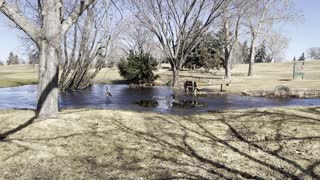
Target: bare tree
x,y
95,32
276,44
263,15
178,25
47,34
136,37
314,53
233,12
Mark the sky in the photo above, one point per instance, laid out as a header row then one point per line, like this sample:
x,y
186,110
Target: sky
x,y
302,36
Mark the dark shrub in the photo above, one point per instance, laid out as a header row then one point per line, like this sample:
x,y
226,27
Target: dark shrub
x,y
138,68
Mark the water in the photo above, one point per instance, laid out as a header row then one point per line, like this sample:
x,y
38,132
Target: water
x,y
124,97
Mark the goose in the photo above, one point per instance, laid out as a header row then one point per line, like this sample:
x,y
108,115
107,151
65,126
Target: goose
x,y
108,93
174,100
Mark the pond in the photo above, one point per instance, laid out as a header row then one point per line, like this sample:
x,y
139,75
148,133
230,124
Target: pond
x,y
157,99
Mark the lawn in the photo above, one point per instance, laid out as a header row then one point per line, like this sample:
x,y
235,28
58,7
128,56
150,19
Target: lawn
x,y
267,76
276,143
18,75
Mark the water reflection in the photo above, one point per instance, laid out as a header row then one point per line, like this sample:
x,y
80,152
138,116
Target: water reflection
x,y
124,97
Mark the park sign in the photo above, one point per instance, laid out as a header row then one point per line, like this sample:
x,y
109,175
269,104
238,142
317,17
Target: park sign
x,y
298,69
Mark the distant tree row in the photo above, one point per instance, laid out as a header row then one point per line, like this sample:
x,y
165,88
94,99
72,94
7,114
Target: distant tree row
x,y
14,59
314,53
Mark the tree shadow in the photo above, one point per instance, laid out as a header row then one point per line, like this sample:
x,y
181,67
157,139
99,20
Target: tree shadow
x,y
42,98
4,135
219,169
185,138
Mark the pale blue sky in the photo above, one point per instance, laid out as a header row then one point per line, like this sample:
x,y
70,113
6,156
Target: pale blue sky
x,y
301,36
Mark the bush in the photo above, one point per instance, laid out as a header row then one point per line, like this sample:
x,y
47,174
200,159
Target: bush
x,y
138,68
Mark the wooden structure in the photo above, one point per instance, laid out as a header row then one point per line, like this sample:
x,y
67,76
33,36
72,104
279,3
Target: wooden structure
x,y
190,86
194,86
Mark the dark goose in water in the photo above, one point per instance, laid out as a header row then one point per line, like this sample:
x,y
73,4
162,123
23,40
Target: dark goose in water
x,y
124,97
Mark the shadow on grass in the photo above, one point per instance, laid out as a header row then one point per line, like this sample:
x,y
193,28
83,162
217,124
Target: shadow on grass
x,y
4,135
186,148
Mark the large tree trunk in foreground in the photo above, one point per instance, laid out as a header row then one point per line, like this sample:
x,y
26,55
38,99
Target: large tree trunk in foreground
x,y
48,81
49,49
48,37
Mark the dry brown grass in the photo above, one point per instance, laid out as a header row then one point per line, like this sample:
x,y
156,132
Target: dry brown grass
x,y
267,76
277,143
18,75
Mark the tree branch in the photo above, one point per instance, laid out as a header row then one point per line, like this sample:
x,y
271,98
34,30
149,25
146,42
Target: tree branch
x,y
66,24
20,20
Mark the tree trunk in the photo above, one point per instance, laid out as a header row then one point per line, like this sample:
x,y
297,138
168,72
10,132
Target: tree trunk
x,y
175,79
49,48
227,74
252,55
227,48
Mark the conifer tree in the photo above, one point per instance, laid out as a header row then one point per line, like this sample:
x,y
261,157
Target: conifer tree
x,y
138,68
301,58
261,54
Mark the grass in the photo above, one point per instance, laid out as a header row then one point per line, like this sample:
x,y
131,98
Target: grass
x,y
276,143
18,75
267,76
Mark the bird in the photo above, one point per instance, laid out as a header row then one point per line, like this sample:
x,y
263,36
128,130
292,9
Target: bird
x,y
108,93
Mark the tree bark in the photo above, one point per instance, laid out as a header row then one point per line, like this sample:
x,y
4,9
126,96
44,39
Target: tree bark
x,y
252,55
48,38
175,79
227,49
49,49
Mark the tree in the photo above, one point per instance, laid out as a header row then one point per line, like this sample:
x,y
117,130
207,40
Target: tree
x,y
262,15
314,53
233,12
33,57
47,33
261,55
136,37
245,53
16,59
208,53
276,44
301,58
174,23
1,63
88,45
11,59
138,68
